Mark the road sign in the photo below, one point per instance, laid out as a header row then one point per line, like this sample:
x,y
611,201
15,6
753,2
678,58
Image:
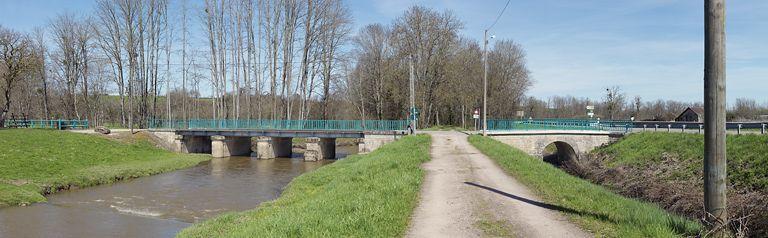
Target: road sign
x,y
413,113
476,114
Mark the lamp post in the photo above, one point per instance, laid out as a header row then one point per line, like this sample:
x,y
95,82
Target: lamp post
x,y
485,82
485,69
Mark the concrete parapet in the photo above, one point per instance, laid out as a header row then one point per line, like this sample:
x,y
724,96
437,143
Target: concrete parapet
x,y
320,149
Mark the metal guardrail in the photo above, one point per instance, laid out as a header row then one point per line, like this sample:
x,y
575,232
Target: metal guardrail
x,y
625,126
558,124
47,124
682,126
298,125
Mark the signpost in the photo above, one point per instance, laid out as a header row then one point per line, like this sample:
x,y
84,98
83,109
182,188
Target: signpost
x,y
413,116
590,111
476,116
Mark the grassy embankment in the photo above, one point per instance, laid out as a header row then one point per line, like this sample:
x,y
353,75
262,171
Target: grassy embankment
x,y
369,195
591,206
747,155
667,168
37,162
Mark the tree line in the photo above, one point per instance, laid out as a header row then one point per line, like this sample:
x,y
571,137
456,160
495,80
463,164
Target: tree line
x,y
131,61
128,61
617,105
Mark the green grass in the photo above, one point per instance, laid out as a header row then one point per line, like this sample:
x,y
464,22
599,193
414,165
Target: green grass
x,y
591,206
34,162
369,195
747,155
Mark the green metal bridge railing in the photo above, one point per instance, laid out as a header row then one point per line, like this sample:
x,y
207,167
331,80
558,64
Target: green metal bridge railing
x,y
320,125
47,124
558,124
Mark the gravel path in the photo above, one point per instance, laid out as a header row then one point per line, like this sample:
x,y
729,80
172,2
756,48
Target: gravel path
x,y
465,194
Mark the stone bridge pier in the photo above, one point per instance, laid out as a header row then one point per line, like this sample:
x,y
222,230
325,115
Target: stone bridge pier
x,y
320,145
272,147
320,149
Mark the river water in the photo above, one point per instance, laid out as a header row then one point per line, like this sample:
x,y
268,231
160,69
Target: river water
x,y
160,205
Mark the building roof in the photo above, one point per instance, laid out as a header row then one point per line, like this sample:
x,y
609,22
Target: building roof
x,y
697,110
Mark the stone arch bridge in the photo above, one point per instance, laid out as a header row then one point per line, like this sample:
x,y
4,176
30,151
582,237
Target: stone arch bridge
x,y
571,144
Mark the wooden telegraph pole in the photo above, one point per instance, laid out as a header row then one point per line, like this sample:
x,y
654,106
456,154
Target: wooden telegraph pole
x,y
714,119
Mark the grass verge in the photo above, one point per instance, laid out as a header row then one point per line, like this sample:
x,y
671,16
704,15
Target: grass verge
x,y
592,206
34,163
369,195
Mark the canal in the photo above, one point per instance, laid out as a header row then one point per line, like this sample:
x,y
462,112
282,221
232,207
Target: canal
x,y
160,205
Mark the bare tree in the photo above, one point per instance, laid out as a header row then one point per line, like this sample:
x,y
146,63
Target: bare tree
x,y
335,28
110,41
427,36
614,101
16,59
72,40
41,49
637,104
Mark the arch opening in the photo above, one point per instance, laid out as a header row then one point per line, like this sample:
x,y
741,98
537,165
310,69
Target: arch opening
x,y
559,153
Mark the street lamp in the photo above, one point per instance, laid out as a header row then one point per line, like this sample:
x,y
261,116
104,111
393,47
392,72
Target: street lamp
x,y
485,69
485,81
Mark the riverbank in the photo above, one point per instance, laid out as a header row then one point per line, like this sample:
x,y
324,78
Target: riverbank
x,y
591,206
360,196
666,169
34,163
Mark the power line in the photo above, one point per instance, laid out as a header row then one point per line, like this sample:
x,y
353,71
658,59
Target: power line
x,y
500,14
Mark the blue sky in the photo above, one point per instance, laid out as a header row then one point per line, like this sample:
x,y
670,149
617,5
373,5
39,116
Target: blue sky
x,y
651,48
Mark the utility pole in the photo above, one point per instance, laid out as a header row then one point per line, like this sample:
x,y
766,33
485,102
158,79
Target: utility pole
x,y
714,120
485,83
485,68
412,112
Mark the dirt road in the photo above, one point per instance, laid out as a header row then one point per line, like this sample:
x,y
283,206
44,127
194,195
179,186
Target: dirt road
x,y
465,194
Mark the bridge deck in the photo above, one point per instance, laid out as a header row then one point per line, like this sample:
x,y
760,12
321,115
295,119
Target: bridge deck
x,y
282,133
303,126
